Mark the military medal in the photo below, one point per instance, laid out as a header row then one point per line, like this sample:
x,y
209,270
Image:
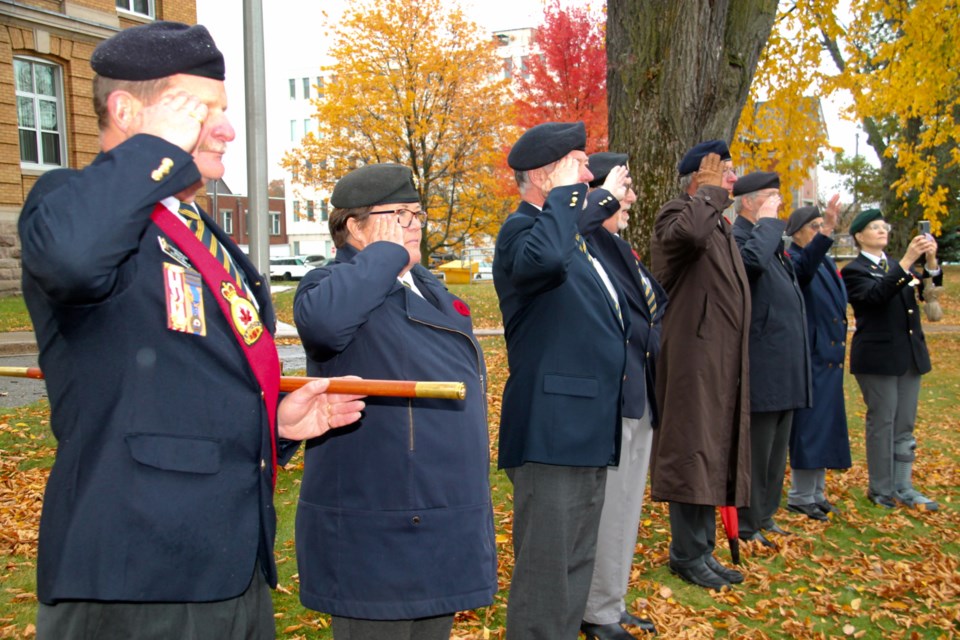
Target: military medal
x,y
174,253
184,294
244,315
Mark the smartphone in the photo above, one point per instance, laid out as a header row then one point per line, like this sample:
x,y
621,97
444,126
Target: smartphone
x,y
924,226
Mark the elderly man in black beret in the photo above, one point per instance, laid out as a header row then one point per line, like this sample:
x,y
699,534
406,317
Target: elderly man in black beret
x,y
889,354
701,444
155,336
779,352
600,224
818,436
566,325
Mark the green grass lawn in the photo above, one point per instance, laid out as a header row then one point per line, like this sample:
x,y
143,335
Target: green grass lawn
x,y
868,573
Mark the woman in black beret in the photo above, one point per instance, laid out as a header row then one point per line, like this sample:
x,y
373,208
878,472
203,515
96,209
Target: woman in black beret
x,y
395,521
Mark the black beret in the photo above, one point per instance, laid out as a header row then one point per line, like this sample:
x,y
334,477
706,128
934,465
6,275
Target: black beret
x,y
864,218
755,182
602,163
374,184
546,143
800,217
691,159
158,50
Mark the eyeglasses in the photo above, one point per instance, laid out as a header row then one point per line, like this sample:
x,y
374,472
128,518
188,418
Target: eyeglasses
x,y
405,216
878,226
816,226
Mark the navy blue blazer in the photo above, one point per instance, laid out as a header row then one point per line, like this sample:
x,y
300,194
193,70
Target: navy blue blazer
x,y
395,519
779,354
162,485
566,340
889,336
620,261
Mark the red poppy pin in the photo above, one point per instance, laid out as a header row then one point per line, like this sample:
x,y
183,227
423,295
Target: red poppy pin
x,y
461,307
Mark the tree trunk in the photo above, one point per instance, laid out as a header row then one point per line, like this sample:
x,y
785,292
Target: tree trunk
x,y
678,73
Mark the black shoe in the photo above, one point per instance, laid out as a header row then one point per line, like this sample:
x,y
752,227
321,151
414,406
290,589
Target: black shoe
x,y
812,511
611,631
826,507
699,574
730,575
777,530
762,539
882,501
641,623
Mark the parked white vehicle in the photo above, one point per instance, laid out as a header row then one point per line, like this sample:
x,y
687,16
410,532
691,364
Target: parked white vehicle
x,y
292,268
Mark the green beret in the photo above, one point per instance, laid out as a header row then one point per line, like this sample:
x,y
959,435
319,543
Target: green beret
x,y
601,164
374,184
756,181
158,50
546,143
800,217
864,218
691,159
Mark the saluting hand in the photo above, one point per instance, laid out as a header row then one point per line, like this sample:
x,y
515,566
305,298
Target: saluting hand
x,y
177,117
617,182
830,215
711,171
384,227
769,207
309,412
565,173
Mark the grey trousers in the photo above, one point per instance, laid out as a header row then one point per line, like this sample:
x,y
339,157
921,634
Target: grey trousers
x,y
693,533
246,617
807,486
769,442
437,628
891,411
556,514
619,523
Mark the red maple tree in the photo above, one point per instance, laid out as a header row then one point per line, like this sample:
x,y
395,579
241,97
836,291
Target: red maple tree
x,y
567,81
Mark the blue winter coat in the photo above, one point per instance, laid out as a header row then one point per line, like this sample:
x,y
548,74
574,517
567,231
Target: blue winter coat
x,y
819,439
395,519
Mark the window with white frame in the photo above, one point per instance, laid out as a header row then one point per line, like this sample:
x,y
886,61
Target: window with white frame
x,y
40,113
274,223
306,88
293,89
324,212
143,7
226,220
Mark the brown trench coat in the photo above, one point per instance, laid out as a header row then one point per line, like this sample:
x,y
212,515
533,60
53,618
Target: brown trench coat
x,y
701,450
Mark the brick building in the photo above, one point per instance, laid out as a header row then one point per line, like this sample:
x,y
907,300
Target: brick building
x,y
46,89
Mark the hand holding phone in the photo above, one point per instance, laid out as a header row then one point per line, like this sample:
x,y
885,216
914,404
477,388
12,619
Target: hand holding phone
x,y
924,226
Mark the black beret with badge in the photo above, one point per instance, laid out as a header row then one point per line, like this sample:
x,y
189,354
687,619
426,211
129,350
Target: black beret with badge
x,y
374,184
546,143
864,218
755,182
691,159
158,50
800,217
602,163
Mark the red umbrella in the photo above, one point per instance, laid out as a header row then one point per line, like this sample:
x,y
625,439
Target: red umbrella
x,y
728,514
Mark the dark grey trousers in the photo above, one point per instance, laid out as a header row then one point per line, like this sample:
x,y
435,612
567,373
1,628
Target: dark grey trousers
x,y
246,617
693,533
891,412
769,442
556,516
437,628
